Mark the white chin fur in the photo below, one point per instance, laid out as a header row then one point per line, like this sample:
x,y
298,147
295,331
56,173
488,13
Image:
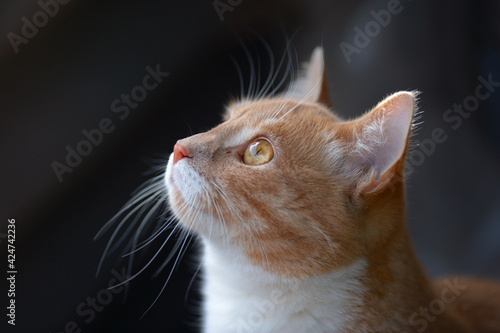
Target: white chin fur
x,y
185,179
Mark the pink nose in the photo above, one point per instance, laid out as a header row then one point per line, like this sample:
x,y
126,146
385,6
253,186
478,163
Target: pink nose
x,y
180,152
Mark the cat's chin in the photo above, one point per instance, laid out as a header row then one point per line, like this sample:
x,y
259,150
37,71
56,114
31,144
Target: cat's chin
x,y
181,179
203,225
184,186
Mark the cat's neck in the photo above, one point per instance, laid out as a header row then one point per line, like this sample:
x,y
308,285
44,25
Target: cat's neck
x,y
396,288
375,293
240,297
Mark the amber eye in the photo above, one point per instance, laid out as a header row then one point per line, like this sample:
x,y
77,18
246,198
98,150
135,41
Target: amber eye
x,y
258,152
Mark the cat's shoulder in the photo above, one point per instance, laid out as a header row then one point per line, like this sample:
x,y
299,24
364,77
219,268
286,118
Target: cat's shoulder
x,y
476,300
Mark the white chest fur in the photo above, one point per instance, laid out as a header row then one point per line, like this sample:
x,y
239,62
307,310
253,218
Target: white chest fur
x,y
243,298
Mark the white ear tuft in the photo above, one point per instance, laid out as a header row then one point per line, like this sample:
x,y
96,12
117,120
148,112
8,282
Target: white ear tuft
x,y
381,136
311,85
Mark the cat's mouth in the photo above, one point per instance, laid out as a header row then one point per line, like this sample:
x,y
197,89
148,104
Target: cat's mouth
x,y
192,209
185,187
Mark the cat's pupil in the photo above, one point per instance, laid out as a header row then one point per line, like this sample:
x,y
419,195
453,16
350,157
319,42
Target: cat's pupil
x,y
253,149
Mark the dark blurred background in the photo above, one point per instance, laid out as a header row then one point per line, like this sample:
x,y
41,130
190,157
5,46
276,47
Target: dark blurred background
x,y
62,77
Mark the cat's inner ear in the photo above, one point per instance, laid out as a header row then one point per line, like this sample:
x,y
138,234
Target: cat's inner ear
x,y
380,139
312,85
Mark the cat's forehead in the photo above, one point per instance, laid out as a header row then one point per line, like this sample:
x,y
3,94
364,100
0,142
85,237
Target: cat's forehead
x,y
275,116
273,110
278,112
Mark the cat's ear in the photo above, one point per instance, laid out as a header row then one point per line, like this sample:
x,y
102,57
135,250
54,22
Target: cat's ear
x,y
380,140
312,85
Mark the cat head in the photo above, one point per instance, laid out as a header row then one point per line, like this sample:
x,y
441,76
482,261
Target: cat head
x,y
291,185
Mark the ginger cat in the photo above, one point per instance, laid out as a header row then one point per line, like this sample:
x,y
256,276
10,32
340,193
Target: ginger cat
x,y
302,219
